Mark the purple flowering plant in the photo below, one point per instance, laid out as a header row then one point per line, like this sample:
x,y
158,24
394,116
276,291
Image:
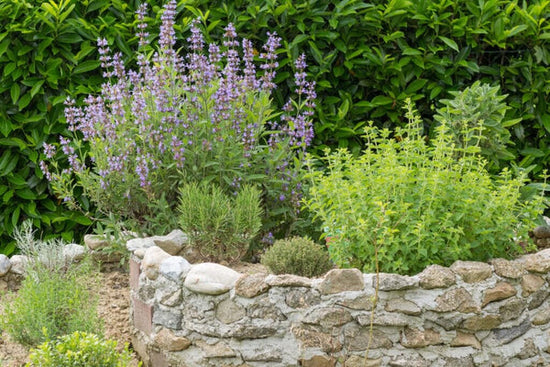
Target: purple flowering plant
x,y
205,116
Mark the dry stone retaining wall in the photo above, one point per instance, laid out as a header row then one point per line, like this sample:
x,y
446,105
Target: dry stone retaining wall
x,y
471,314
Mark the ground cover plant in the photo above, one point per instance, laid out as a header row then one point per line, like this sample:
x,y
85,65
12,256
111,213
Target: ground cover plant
x,y
79,349
203,117
57,296
407,203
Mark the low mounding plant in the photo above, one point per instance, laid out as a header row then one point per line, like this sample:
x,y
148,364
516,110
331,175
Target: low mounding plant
x,y
410,203
79,350
202,117
55,298
220,226
297,255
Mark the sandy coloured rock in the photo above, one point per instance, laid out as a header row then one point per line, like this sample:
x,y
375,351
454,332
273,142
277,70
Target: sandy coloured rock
x,y
154,256
342,280
210,278
173,242
472,271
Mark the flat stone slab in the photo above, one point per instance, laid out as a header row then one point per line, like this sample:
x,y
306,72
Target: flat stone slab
x,y
173,242
140,243
211,278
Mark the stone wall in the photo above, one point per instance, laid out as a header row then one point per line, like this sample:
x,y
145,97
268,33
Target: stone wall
x,y
470,314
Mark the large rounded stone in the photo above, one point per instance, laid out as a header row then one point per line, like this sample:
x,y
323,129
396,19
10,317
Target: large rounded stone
x,y
542,231
5,265
508,269
73,252
174,268
416,338
394,282
167,340
229,312
500,291
251,285
531,283
436,276
472,271
458,299
173,242
154,256
18,263
95,242
537,263
342,280
210,278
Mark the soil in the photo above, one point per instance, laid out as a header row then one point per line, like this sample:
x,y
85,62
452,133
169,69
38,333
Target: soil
x,y
114,309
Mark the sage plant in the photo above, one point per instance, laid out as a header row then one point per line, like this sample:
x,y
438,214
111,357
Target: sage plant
x,y
204,116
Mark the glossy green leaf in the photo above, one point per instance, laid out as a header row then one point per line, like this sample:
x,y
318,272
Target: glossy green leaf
x,y
86,66
449,42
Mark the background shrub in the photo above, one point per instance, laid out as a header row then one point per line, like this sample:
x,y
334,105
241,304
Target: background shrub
x,y
297,255
367,58
410,203
79,350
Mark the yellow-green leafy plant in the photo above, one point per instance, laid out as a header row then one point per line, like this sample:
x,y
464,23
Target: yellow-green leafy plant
x,y
412,202
79,350
297,255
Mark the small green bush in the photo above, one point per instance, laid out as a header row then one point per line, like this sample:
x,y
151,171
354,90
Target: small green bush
x,y
476,117
220,227
55,296
79,350
297,255
410,203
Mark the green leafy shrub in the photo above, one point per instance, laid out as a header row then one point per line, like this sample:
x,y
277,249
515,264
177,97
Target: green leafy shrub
x,y
479,106
410,203
220,226
55,296
297,255
79,349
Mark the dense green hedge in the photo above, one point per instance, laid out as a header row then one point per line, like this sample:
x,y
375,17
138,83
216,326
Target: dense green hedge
x,y
367,58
